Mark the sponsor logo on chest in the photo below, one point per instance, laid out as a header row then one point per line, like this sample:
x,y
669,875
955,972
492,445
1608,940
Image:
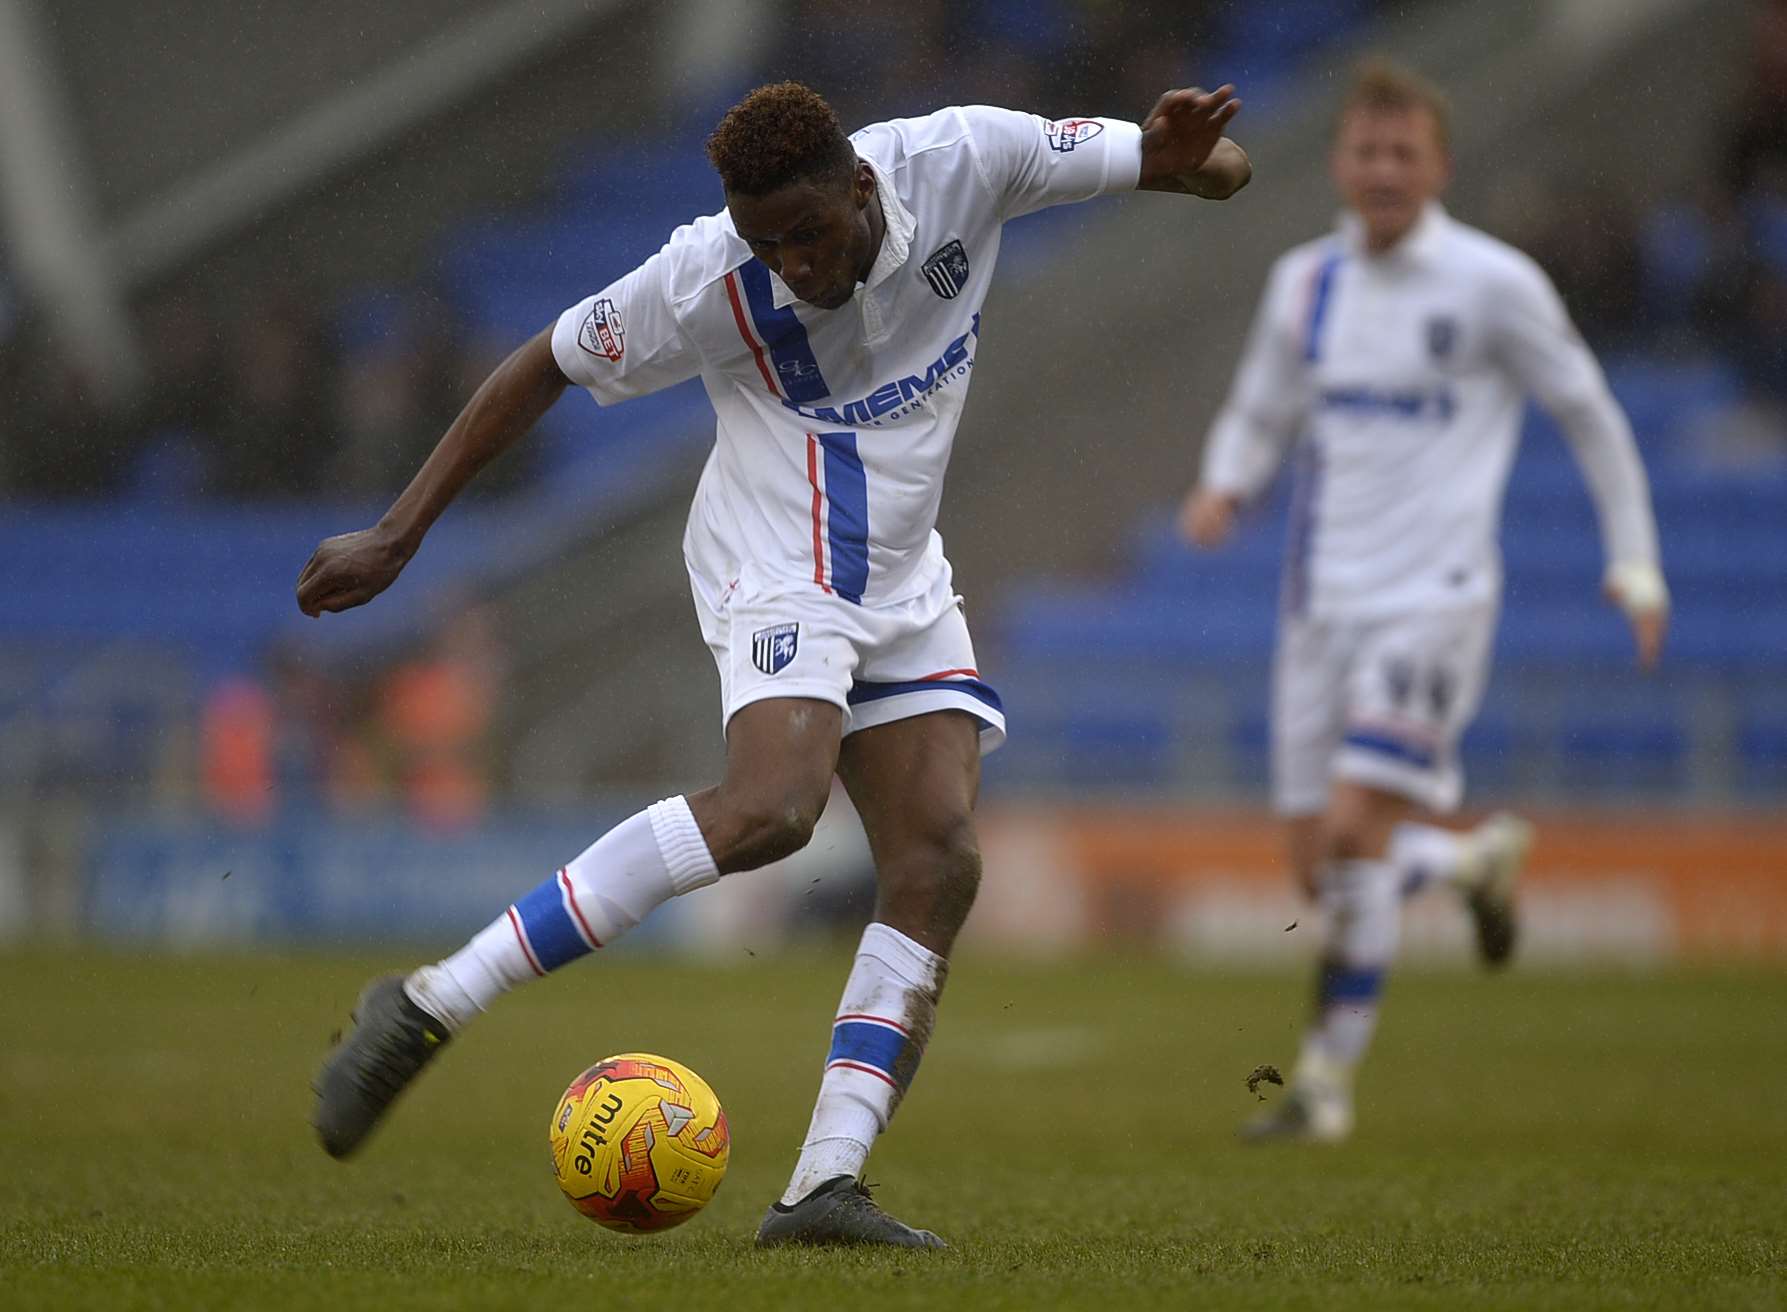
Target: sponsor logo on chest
x,y
1442,336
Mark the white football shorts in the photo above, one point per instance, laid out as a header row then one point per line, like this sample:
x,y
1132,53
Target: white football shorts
x,y
876,663
1381,702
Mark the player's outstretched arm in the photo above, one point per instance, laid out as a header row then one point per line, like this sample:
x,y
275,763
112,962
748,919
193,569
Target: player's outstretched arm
x,y
1541,346
1184,151
353,568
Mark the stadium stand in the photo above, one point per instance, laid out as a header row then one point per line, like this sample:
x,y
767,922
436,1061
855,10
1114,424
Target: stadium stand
x,y
157,574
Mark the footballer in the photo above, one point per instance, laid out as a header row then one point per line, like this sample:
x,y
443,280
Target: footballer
x,y
832,311
1401,350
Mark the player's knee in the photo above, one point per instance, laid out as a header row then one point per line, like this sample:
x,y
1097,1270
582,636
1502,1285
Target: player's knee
x,y
1346,839
761,828
939,872
780,830
958,869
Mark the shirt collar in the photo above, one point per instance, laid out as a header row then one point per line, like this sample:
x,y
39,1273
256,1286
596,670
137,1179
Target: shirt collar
x,y
1422,241
896,240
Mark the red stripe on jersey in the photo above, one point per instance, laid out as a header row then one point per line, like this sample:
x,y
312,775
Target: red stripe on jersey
x,y
947,674
818,505
564,878
521,938
744,331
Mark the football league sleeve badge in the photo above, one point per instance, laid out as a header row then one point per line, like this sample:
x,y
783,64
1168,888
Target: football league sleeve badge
x,y
602,333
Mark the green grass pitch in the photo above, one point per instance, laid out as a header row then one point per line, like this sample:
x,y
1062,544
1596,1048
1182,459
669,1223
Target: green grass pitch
x,y
1599,1140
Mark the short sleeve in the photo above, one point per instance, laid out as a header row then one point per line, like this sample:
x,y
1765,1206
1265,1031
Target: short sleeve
x,y
1030,163
625,341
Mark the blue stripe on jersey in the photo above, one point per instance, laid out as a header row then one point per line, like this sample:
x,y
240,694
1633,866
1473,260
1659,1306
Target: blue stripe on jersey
x,y
550,933
1340,984
797,368
1299,547
1408,753
847,489
1318,307
862,691
870,1045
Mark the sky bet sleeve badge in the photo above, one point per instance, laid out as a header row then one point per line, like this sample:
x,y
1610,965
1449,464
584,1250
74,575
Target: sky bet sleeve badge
x,y
774,647
947,270
1070,132
601,334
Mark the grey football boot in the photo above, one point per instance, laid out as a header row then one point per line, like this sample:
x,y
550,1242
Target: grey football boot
x,y
1502,842
840,1211
392,1040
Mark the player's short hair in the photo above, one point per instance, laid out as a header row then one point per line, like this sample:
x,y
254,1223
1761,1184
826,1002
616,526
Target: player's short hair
x,y
778,135
1382,86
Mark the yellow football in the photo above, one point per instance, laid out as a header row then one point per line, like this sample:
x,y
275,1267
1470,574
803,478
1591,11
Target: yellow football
x,y
639,1143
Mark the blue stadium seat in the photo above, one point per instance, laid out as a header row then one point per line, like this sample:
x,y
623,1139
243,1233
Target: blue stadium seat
x,y
1762,741
1624,739
1663,397
1675,254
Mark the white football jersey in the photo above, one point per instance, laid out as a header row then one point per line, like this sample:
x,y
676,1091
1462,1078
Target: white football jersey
x,y
835,426
1406,375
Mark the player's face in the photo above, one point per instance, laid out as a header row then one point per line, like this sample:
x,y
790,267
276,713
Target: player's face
x,y
1387,165
816,236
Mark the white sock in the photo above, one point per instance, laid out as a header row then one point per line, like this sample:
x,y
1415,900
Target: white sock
x,y
1425,855
643,861
1364,904
882,1026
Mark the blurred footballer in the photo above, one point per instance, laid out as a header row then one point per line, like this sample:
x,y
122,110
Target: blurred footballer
x,y
1402,349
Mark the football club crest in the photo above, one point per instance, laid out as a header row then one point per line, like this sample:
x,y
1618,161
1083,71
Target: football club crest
x,y
1399,680
1440,692
947,270
1442,336
774,647
601,333
1065,134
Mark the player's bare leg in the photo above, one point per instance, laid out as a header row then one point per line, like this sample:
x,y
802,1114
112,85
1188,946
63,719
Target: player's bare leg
x,y
1361,893
914,782
780,757
1362,858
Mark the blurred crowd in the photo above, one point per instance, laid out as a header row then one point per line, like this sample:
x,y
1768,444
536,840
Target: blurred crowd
x,y
1092,56
414,734
280,394
288,398
277,401
1705,269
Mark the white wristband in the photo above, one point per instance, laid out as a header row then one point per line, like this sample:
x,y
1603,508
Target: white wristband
x,y
1638,587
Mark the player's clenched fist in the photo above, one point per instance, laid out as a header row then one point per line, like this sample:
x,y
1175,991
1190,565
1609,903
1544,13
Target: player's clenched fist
x,y
350,570
1207,518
